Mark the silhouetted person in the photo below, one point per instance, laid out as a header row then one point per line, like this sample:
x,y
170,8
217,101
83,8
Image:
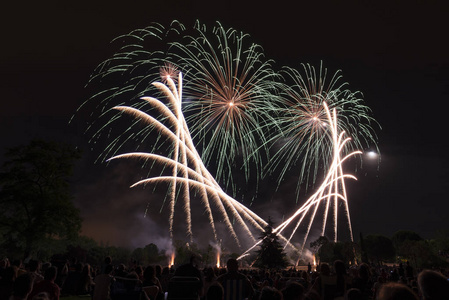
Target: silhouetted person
x,y
293,291
343,280
18,264
408,271
121,271
9,275
215,292
209,277
363,280
191,270
86,282
4,263
41,296
107,261
70,286
395,291
401,270
394,276
22,287
132,289
103,284
378,284
353,294
305,280
139,271
47,285
235,284
158,271
433,285
33,268
165,278
270,293
326,284
150,279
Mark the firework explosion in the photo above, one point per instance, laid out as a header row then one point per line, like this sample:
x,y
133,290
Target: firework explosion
x,y
189,171
236,110
229,94
303,138
330,193
187,167
230,85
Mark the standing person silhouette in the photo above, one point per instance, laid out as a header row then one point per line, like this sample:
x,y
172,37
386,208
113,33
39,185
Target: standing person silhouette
x,y
235,284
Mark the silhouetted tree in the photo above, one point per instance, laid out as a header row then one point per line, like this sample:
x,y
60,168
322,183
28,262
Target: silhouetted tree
x,y
351,251
379,248
401,240
271,254
321,248
35,201
363,253
328,251
440,244
153,253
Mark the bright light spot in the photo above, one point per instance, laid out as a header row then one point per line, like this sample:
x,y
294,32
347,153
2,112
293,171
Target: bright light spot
x,y
218,259
231,103
372,154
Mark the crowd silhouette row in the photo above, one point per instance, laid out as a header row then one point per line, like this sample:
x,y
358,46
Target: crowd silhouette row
x,y
50,281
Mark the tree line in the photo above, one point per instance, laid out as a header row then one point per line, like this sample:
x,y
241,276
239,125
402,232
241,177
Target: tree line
x,y
402,246
38,219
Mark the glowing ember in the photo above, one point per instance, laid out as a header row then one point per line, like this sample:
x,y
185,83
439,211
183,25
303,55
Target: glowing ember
x,y
172,260
218,259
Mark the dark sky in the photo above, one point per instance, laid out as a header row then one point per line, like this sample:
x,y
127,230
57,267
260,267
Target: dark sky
x,y
395,52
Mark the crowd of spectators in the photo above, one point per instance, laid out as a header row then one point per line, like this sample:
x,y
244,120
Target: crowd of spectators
x,y
337,281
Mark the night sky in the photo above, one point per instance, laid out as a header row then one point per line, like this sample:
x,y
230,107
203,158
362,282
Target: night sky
x,y
395,52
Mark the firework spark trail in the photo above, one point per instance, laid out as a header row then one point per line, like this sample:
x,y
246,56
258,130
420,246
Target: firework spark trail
x,y
183,149
235,207
185,133
216,197
231,203
184,145
200,178
345,196
181,135
338,147
234,101
126,76
336,154
204,180
302,122
232,91
328,190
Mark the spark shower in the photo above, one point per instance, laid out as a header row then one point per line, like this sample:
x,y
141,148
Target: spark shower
x,y
242,113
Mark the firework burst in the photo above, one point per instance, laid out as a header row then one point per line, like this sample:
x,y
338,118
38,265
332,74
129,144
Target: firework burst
x,y
330,194
229,94
189,172
123,79
187,168
304,138
230,88
236,110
